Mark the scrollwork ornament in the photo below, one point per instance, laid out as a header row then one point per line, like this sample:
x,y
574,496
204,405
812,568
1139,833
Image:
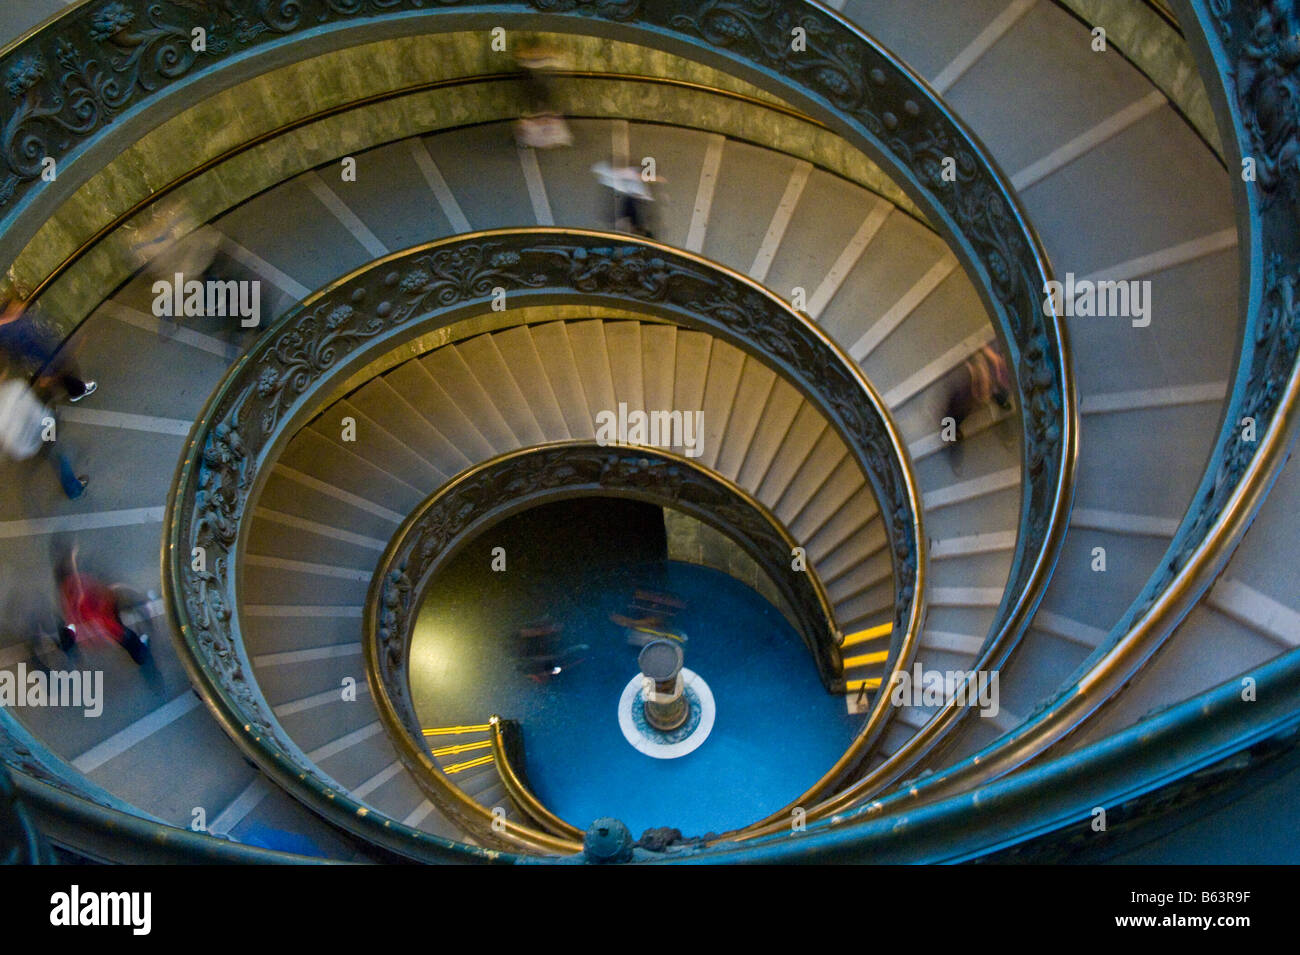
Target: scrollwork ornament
x,y
765,30
301,353
1221,10
150,56
619,10
1267,77
308,350
464,273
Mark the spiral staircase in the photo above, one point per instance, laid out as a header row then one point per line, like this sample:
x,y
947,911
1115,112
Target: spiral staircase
x,y
1116,548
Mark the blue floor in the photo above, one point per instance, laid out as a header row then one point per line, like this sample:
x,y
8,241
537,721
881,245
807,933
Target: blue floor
x,y
777,729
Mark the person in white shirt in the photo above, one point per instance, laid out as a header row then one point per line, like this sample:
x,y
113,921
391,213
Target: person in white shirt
x,y
631,192
24,423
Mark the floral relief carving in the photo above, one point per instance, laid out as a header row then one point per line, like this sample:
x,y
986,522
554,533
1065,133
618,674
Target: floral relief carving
x,y
308,347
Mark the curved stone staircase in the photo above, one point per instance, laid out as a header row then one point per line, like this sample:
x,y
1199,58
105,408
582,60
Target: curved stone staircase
x,y
1118,186
793,462
336,496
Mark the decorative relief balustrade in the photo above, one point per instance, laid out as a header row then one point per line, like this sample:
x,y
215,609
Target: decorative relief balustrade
x,y
1249,54
463,509
279,382
1254,47
67,83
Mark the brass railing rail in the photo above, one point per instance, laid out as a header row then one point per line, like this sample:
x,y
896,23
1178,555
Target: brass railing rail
x,y
499,487
103,834
1245,51
1141,771
70,810
123,218
53,770
1238,476
505,746
334,110
20,842
24,754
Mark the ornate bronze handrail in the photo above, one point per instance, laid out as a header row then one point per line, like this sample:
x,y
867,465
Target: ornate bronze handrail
x,y
1247,50
51,769
505,744
72,810
20,842
276,383
841,76
1273,347
104,834
489,492
24,754
1162,756
454,82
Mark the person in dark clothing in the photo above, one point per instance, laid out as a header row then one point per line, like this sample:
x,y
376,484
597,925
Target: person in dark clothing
x,y
961,404
536,63
540,125
985,379
24,339
632,196
632,210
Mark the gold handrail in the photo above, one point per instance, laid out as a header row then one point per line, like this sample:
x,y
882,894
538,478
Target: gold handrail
x,y
1229,526
908,645
434,778
911,635
516,789
1003,641
1122,661
910,639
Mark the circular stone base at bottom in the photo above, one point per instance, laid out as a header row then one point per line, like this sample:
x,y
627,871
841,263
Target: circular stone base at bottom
x,y
673,743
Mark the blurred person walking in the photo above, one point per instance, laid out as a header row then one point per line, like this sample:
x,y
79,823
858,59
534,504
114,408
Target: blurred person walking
x,y
24,422
631,194
92,610
173,241
540,126
986,381
24,339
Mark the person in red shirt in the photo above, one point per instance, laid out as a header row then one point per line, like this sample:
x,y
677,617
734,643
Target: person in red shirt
x,y
91,609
